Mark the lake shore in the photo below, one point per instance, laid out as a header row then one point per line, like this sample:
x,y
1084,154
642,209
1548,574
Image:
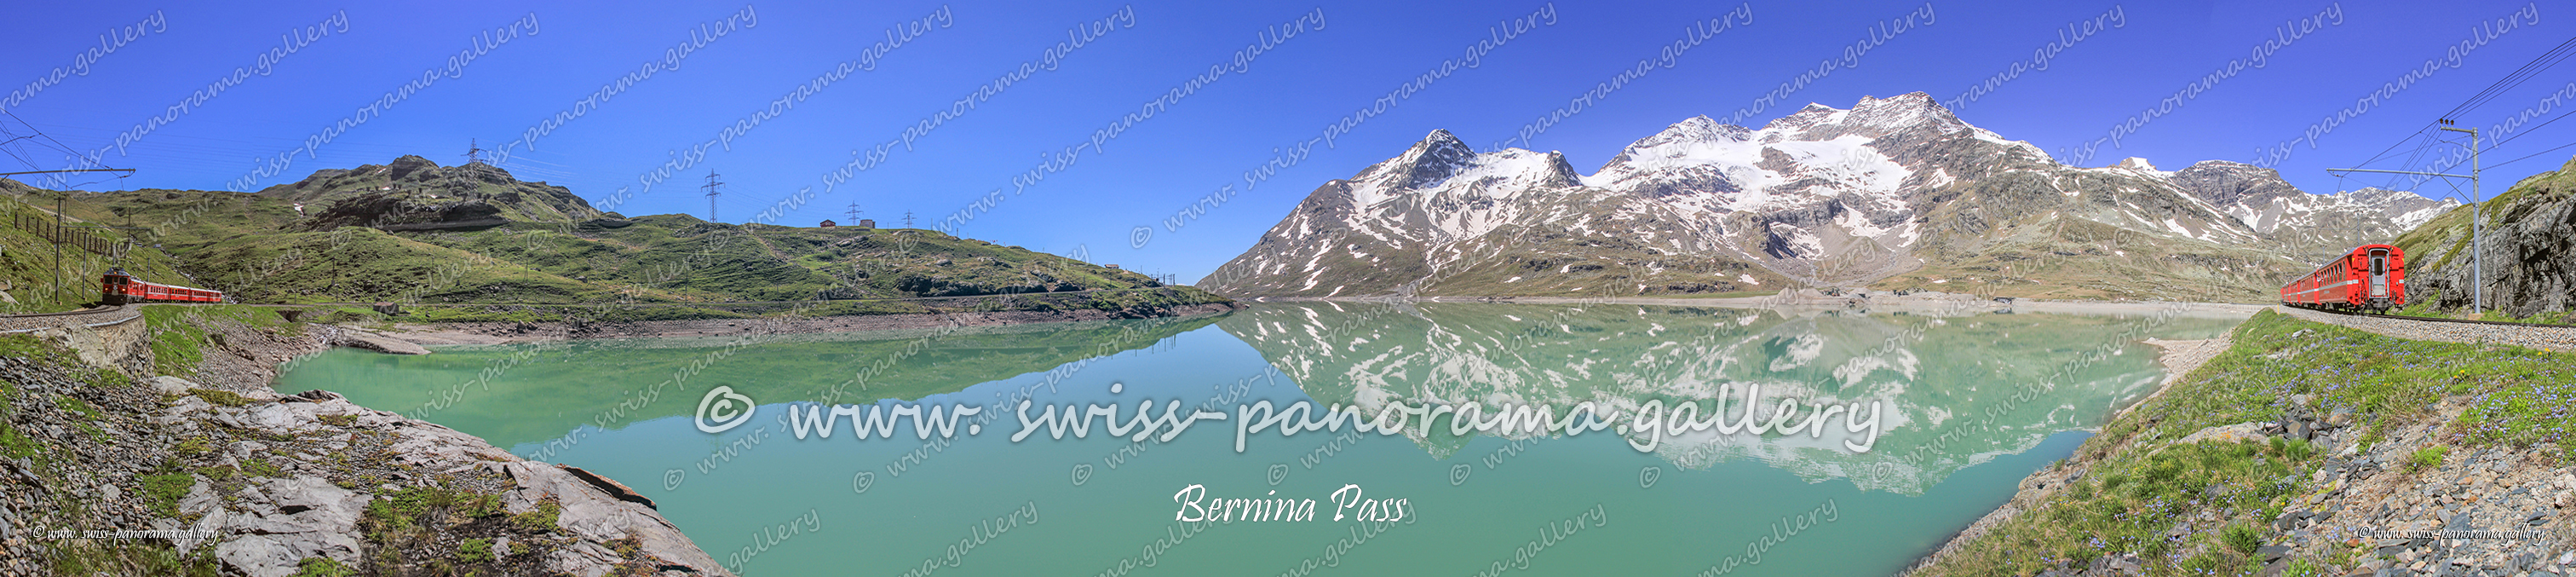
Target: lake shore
x,y
494,333
171,432
2249,472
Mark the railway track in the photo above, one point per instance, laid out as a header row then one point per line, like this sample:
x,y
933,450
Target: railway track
x,y
2433,319
86,311
20,323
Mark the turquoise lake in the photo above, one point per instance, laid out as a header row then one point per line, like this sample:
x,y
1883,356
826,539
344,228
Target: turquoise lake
x,y
1968,405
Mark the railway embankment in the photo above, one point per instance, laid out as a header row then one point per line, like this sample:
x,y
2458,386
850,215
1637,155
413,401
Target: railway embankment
x,y
175,458
2310,448
2537,337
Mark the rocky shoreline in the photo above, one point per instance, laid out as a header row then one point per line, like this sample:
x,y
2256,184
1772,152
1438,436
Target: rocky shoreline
x,y
2372,494
111,468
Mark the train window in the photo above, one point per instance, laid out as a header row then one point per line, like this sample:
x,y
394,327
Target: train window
x,y
2378,262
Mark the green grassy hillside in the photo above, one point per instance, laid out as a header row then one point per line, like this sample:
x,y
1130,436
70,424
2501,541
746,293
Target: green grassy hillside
x,y
415,232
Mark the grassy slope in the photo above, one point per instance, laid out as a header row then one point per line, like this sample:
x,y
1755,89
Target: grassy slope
x,y
256,247
27,261
2140,486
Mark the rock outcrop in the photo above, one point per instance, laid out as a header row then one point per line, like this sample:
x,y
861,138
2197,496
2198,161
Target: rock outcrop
x,y
229,477
2529,245
415,194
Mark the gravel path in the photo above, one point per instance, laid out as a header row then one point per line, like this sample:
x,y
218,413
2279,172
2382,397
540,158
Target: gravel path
x,y
18,323
2548,338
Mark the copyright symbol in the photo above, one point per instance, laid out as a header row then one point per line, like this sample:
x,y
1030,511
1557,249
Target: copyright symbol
x,y
1458,474
859,483
671,479
721,404
1138,237
1278,472
1081,474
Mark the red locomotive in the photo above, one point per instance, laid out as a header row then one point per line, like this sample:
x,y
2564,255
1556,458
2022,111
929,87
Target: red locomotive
x,y
2371,277
118,288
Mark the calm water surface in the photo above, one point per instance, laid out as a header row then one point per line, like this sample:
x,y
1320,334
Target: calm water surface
x,y
1970,404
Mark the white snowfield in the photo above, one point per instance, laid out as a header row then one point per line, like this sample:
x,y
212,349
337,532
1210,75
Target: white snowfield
x,y
1822,184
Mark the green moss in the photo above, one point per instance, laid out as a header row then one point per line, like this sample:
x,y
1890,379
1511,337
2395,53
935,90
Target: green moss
x,y
74,404
323,567
193,446
541,520
2241,538
218,473
224,398
2426,458
262,468
162,492
474,551
14,445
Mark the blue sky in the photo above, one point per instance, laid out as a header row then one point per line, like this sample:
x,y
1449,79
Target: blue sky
x,y
262,130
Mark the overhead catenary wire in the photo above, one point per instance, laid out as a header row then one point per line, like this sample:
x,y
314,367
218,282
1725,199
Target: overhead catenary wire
x,y
2528,70
2537,65
2535,154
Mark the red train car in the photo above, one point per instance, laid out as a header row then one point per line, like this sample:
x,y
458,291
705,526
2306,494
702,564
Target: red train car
x,y
2371,277
118,288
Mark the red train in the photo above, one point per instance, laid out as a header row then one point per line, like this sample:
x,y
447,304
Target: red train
x,y
2371,277
118,288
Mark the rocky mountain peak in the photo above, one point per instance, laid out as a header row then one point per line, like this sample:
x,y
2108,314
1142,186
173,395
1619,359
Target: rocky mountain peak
x,y
2223,183
1702,129
1872,117
1429,162
1903,110
1894,188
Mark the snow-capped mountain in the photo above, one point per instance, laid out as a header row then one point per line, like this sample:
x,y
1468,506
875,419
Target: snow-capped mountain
x,y
1895,191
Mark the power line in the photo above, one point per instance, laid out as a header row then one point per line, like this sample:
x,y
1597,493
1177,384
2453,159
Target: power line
x,y
2537,65
2532,154
2493,145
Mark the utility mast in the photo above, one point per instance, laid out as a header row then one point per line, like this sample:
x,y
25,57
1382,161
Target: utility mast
x,y
907,219
2477,219
474,152
854,213
714,188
